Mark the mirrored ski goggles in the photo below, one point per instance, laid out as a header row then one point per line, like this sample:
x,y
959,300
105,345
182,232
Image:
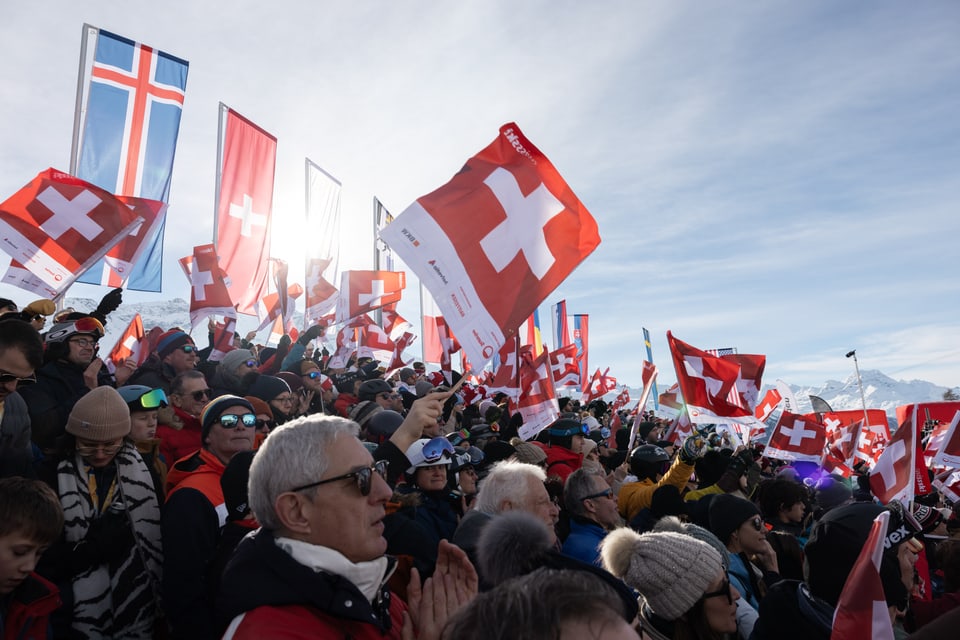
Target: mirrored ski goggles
x,y
435,448
230,420
153,399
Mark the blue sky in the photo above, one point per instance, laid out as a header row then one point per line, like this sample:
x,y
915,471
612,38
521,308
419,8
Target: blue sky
x,y
780,177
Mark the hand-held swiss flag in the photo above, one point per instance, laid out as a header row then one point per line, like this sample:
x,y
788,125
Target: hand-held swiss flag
x,y
706,382
247,162
56,226
208,289
494,241
538,398
796,438
129,346
563,362
363,291
862,612
892,476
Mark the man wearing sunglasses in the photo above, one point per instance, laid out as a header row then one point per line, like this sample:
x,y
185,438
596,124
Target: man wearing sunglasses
x,y
317,564
592,507
195,512
174,354
21,353
70,369
180,430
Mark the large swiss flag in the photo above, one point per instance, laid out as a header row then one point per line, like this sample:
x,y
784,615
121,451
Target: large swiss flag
x,y
247,162
493,242
57,226
796,438
363,291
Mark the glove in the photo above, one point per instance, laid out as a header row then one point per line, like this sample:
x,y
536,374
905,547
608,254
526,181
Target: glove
x,y
108,538
693,448
42,307
108,304
284,343
310,334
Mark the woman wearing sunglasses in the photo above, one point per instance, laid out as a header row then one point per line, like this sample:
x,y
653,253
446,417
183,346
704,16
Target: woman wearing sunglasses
x,y
108,562
753,562
196,512
685,594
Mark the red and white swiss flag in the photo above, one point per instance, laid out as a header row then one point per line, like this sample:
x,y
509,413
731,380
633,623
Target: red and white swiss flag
x,y
600,385
710,385
946,444
208,290
563,362
363,291
247,163
57,226
766,406
796,438
130,345
892,476
493,242
506,378
862,612
538,396
120,259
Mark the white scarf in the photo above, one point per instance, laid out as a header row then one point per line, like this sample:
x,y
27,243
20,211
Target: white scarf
x,y
368,577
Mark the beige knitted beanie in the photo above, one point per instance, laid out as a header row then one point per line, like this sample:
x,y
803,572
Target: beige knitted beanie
x,y
100,415
670,570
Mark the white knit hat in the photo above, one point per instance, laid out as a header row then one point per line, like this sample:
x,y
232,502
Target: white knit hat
x,y
670,570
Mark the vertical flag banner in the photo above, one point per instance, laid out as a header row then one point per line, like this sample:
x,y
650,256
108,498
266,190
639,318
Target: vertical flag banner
x,y
130,99
246,163
649,346
323,245
495,241
561,326
581,336
382,256
57,226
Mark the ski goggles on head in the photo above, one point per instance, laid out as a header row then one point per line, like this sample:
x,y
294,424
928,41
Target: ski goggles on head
x,y
456,437
153,399
435,448
231,420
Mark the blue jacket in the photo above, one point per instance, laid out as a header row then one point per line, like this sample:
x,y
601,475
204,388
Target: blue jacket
x,y
740,578
583,543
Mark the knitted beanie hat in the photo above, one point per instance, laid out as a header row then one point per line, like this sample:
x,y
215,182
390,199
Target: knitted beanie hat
x,y
670,570
234,359
363,411
268,387
293,380
171,341
101,415
529,453
259,406
217,406
727,513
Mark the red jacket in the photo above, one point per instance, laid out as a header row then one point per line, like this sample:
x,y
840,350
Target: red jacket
x,y
31,603
300,622
179,443
561,462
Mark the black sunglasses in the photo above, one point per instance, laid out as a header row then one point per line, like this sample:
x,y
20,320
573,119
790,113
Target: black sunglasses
x,y
200,395
364,478
608,493
6,378
261,423
724,590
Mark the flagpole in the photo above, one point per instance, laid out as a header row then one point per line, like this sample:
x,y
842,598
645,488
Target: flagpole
x,y
378,313
306,215
77,112
423,342
219,173
863,399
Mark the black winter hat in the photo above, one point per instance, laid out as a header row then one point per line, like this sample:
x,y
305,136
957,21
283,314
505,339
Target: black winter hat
x,y
727,513
234,485
268,387
217,406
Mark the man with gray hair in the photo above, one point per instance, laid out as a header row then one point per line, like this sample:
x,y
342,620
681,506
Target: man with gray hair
x,y
509,486
592,506
317,565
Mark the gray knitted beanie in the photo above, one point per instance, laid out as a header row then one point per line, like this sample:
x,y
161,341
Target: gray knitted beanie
x,y
670,570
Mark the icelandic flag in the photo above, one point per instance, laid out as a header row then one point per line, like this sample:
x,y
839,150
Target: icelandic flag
x,y
646,343
132,101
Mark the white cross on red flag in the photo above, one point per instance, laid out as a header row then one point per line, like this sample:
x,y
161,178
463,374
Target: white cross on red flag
x,y
563,362
321,295
492,243
538,397
600,385
862,612
363,291
129,346
796,438
208,289
892,476
946,450
506,378
706,383
57,226
247,160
